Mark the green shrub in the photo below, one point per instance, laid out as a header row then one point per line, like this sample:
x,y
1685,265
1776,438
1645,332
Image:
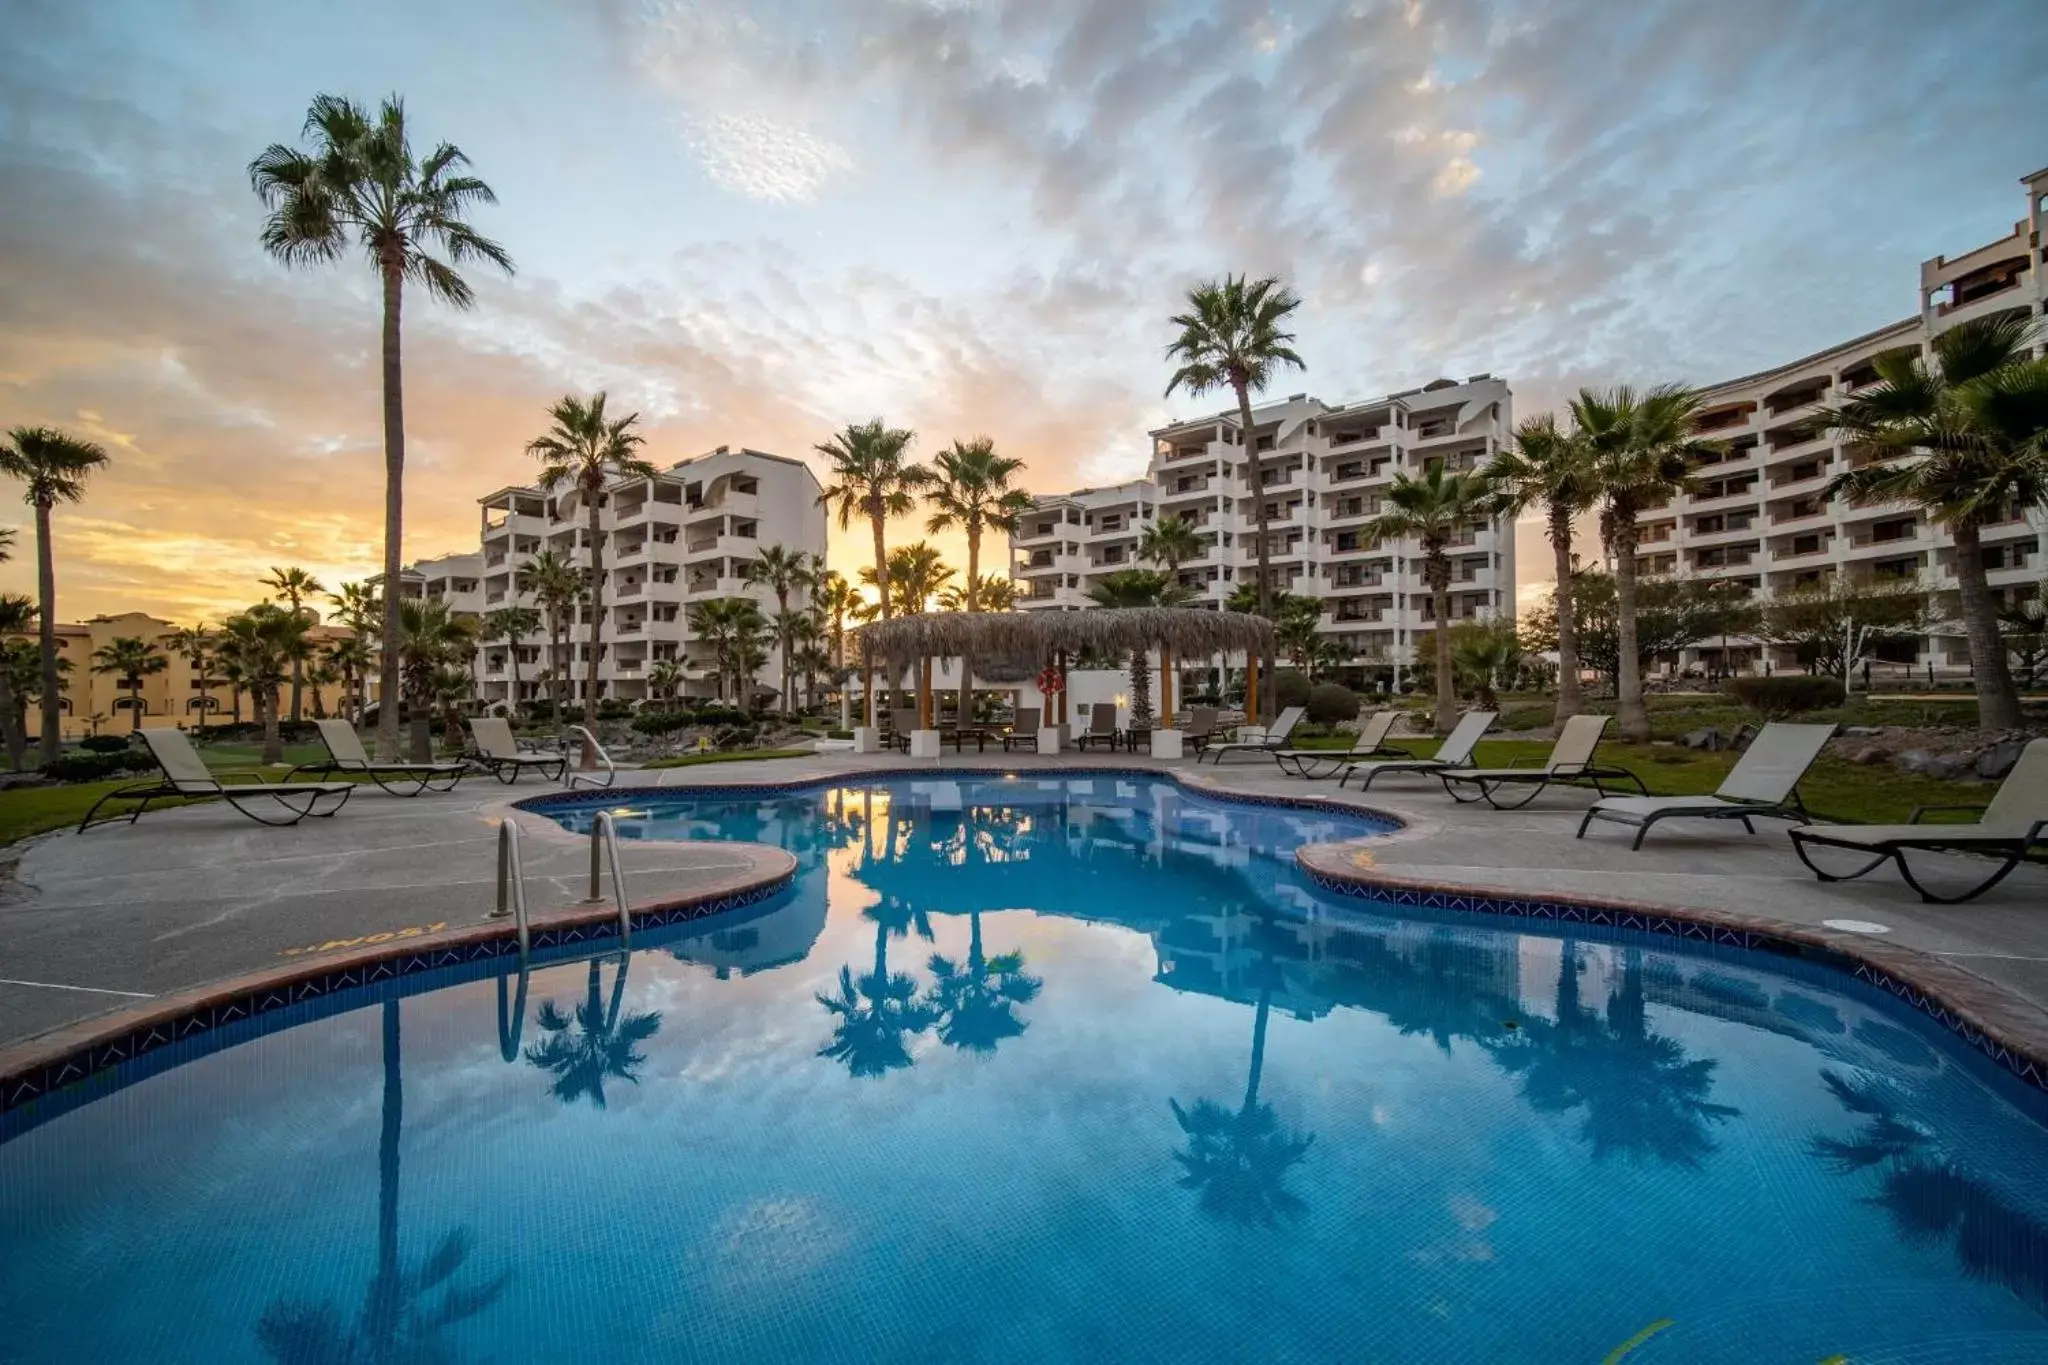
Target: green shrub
x,y
97,767
1332,704
838,734
1290,687
1789,695
104,744
662,722
1532,717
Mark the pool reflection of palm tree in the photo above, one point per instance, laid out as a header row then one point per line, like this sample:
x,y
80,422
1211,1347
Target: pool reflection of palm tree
x,y
876,1014
594,1045
1643,1097
1239,1159
975,1003
406,1310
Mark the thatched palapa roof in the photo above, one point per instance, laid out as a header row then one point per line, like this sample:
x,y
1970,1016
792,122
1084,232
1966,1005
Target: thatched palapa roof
x,y
1015,635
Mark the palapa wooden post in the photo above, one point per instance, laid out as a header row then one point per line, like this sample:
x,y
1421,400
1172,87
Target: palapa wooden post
x,y
924,693
1165,688
1063,686
1251,688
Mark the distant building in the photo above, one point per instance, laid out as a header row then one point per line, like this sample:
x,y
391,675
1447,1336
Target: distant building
x,y
1325,471
94,702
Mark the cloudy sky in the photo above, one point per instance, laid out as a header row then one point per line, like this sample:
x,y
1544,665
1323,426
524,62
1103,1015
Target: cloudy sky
x,y
758,220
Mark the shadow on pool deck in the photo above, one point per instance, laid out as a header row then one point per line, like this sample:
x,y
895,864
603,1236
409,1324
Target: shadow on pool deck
x,y
104,920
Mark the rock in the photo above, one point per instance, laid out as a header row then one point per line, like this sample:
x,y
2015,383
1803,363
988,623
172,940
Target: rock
x,y
1996,761
1861,731
1868,753
1950,766
1706,737
1913,761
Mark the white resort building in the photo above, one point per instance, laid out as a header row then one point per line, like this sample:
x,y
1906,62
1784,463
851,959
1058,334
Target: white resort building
x,y
1326,469
1761,517
682,537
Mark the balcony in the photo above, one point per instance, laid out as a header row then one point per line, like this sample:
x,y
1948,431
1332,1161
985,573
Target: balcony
x,y
1703,502
1785,557
1738,525
706,588
705,547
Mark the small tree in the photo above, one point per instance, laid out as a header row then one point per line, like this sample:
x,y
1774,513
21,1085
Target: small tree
x,y
1485,655
130,659
1830,628
1672,615
2023,622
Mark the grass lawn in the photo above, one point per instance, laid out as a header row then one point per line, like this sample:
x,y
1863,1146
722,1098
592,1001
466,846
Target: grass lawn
x,y
34,810
730,756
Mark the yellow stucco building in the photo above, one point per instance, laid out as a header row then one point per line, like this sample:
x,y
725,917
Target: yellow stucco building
x,y
101,701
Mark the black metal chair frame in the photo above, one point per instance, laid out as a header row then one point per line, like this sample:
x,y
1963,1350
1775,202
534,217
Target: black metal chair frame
x,y
1538,780
422,776
1748,812
1414,767
1330,762
507,768
145,793
2010,853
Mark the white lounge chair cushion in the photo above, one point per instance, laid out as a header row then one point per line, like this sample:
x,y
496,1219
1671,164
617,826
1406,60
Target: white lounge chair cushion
x,y
276,788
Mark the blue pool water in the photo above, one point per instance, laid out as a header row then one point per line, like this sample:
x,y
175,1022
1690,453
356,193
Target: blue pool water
x,y
1050,1071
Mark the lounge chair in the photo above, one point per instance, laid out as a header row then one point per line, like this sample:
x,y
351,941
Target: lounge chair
x,y
1370,743
187,777
345,754
499,753
1201,729
1454,752
1571,761
902,720
1101,727
1275,740
2015,822
1763,782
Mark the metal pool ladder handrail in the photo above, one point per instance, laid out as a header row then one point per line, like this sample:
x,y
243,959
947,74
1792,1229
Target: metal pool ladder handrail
x,y
611,772
512,883
604,835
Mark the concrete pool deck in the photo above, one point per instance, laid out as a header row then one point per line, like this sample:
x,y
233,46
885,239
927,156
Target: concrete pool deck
x,y
122,915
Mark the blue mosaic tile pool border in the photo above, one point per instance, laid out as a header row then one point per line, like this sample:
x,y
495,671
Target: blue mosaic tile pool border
x,y
543,803
2028,1068
110,1063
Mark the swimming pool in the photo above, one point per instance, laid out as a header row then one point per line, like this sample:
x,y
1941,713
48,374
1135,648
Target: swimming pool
x,y
1051,1070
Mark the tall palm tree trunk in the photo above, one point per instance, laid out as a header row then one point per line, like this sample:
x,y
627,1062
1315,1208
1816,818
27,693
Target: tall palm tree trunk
x,y
394,507
134,706
518,687
1254,468
1635,717
1569,701
1258,1065
590,683
1438,572
46,634
879,520
965,704
1998,701
273,742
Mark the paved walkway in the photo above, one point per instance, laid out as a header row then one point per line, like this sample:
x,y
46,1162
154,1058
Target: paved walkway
x,y
108,919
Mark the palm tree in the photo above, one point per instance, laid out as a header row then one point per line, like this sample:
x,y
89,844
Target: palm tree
x,y
834,598
321,676
1642,453
1974,429
17,617
1170,542
1432,511
511,625
1232,337
603,1045
871,479
131,659
257,647
361,184
782,571
350,656
970,488
732,627
915,576
431,641
664,680
587,451
1131,588
1549,466
55,468
398,1320
359,607
975,1003
194,644
295,585
878,1013
558,586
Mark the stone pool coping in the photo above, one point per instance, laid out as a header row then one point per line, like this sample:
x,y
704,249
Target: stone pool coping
x,y
85,1052
1987,1017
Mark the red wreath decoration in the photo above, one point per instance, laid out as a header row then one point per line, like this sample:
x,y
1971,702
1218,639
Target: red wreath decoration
x,y
1052,681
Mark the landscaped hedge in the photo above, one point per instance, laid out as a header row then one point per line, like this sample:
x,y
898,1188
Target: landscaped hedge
x,y
668,722
1332,703
1789,695
1290,687
239,732
104,744
97,767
